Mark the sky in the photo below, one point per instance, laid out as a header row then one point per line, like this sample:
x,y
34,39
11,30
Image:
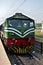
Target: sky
x,y
31,8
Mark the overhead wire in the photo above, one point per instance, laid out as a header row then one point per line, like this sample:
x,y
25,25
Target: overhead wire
x,y
18,7
10,8
7,13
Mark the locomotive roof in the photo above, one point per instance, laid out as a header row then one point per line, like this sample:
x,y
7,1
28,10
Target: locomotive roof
x,y
20,16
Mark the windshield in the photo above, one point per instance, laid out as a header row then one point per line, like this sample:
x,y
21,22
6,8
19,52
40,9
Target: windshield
x,y
19,23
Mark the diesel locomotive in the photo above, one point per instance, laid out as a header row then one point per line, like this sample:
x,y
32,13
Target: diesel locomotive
x,y
18,33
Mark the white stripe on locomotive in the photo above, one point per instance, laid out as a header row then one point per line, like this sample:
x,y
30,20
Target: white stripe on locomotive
x,y
19,34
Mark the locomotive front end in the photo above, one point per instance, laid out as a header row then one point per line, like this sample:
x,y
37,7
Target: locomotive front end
x,y
19,34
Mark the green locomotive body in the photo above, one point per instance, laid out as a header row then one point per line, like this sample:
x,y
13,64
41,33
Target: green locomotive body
x,y
19,33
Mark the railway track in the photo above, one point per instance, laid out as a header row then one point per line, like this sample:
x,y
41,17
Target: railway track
x,y
27,59
38,47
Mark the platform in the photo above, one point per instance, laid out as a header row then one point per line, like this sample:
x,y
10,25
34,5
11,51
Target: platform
x,y
3,56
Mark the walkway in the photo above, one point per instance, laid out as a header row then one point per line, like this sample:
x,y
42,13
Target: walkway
x,y
3,57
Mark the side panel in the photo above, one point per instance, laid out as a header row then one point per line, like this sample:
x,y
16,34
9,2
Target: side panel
x,y
5,25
